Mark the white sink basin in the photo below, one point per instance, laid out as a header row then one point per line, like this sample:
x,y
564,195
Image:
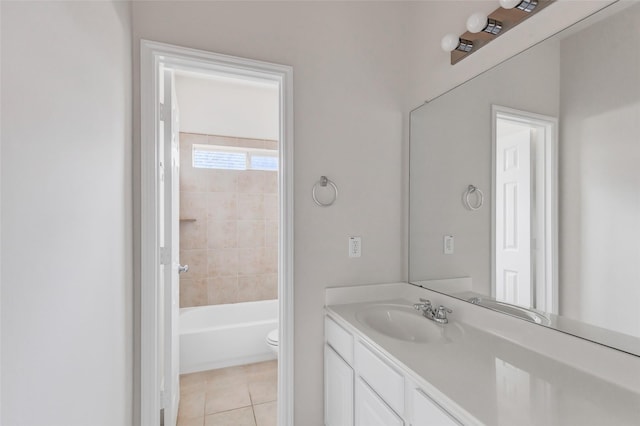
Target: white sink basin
x,y
405,323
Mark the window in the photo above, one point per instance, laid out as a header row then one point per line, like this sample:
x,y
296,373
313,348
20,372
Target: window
x,y
232,158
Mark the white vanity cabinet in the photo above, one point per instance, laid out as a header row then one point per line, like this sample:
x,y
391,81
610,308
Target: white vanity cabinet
x,y
363,387
426,412
371,409
338,375
338,390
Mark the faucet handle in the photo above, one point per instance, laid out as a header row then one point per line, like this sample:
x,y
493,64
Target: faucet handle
x,y
426,304
441,314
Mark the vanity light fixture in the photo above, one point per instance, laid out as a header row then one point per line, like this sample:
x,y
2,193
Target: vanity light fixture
x,y
484,28
452,42
481,22
524,5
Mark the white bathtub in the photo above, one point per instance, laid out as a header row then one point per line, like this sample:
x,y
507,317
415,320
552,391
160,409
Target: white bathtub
x,y
220,336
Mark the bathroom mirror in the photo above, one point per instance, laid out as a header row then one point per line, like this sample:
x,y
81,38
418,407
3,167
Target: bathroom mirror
x,y
525,184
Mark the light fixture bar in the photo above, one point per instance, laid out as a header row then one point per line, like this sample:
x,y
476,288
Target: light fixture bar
x,y
527,5
511,14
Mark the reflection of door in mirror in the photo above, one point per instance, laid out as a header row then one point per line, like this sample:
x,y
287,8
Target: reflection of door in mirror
x,y
523,209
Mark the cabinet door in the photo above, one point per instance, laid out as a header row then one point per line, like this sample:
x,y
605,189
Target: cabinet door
x,y
427,413
338,390
371,410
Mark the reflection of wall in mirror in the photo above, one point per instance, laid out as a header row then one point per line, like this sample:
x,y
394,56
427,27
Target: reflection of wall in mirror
x,y
451,148
599,181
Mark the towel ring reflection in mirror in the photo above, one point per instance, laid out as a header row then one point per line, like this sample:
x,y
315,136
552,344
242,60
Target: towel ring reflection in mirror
x,y
479,198
324,182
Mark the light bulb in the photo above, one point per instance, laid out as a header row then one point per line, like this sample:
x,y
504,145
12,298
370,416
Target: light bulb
x,y
509,4
477,22
450,42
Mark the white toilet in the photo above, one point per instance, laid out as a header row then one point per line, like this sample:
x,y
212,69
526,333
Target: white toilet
x,y
272,341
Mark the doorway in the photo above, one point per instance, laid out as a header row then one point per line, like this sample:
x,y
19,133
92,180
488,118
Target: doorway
x,y
162,145
524,214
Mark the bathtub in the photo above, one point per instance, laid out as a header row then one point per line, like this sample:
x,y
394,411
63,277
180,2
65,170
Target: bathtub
x,y
220,336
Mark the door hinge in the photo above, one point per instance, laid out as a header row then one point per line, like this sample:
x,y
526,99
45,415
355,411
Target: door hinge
x,y
165,255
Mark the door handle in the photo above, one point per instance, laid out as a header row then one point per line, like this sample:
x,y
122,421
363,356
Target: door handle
x,y
183,268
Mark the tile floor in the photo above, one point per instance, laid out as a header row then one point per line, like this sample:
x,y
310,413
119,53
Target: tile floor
x,y
244,395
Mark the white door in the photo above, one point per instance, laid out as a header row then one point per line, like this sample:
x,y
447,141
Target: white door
x,y
513,217
170,243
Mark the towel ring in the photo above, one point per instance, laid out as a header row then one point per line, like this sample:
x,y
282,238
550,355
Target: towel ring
x,y
479,198
323,182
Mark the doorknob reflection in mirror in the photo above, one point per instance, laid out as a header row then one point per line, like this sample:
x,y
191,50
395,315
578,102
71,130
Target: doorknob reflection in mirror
x,y
183,268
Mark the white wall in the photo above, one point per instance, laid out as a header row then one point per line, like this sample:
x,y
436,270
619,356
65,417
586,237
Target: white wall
x,y
350,68
228,107
599,180
451,149
66,214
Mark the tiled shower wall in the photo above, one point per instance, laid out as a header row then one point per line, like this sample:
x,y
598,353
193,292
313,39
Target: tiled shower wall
x,y
228,228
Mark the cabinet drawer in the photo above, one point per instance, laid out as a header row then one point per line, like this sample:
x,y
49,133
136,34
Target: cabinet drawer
x,y
339,339
382,378
371,410
426,412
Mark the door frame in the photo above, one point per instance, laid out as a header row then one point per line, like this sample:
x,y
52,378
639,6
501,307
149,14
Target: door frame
x,y
152,55
549,294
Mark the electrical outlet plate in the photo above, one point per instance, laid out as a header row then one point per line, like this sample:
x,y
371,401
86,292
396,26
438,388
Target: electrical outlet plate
x,y
448,244
355,246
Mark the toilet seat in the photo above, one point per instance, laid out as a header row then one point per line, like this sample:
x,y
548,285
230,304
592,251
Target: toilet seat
x,y
272,338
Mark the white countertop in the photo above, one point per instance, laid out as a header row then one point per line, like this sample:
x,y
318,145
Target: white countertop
x,y
498,382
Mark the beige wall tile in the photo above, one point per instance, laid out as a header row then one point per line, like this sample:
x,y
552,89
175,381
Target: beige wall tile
x,y
221,206
249,288
270,286
239,417
193,292
197,261
232,246
266,414
188,139
193,205
193,235
271,206
250,143
251,233
222,290
222,140
269,144
270,182
269,260
222,180
271,234
251,182
250,261
192,179
222,262
222,234
250,207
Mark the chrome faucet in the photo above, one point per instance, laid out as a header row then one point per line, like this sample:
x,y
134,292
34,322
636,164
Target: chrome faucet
x,y
438,314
